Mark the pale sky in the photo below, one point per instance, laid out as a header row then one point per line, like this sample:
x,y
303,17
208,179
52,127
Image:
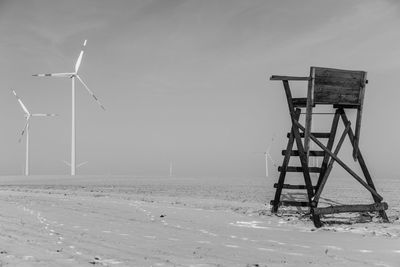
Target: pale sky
x,y
187,81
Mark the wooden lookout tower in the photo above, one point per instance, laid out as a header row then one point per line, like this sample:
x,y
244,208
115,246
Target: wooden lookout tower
x,y
342,89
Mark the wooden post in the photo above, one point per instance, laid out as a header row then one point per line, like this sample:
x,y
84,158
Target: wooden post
x,y
310,93
356,139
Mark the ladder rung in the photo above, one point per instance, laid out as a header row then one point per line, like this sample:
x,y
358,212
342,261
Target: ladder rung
x,y
291,203
317,135
351,208
313,153
299,102
299,169
290,186
345,106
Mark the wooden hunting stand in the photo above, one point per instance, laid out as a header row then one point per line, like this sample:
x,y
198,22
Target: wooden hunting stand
x,y
343,89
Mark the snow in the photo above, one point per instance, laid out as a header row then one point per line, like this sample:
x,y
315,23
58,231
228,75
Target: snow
x,y
167,221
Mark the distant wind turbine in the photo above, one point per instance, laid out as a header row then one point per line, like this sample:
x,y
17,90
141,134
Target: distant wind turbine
x,y
72,76
28,116
170,169
268,156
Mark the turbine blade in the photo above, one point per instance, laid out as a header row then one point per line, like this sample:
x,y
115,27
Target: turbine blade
x,y
67,163
44,115
270,144
57,75
23,131
81,164
272,160
20,102
78,62
90,92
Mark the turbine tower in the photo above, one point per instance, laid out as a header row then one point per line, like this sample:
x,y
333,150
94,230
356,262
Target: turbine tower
x,y
28,115
170,169
72,76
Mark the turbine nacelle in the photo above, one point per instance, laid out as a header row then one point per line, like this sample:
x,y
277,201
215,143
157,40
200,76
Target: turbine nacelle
x,y
74,75
28,115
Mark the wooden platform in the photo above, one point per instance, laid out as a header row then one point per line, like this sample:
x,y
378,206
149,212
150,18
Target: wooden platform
x,y
343,89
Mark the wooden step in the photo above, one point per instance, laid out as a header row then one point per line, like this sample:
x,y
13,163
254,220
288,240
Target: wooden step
x,y
317,135
291,203
299,169
345,106
300,102
351,208
313,153
290,186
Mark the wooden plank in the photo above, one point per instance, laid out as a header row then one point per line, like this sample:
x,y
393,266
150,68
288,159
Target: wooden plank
x,y
290,186
341,163
334,86
299,169
299,102
317,135
351,208
345,106
328,94
288,78
331,73
313,153
339,82
294,203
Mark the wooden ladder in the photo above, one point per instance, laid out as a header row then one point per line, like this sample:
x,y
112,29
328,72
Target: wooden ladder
x,y
285,168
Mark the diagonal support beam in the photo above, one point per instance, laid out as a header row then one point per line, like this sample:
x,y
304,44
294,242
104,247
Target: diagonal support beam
x,y
329,145
364,166
330,166
341,163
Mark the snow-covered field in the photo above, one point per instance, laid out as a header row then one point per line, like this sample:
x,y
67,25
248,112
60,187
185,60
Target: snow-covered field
x,y
169,221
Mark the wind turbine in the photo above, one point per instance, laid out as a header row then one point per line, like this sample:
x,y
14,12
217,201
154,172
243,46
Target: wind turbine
x,y
170,169
72,76
268,156
28,116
